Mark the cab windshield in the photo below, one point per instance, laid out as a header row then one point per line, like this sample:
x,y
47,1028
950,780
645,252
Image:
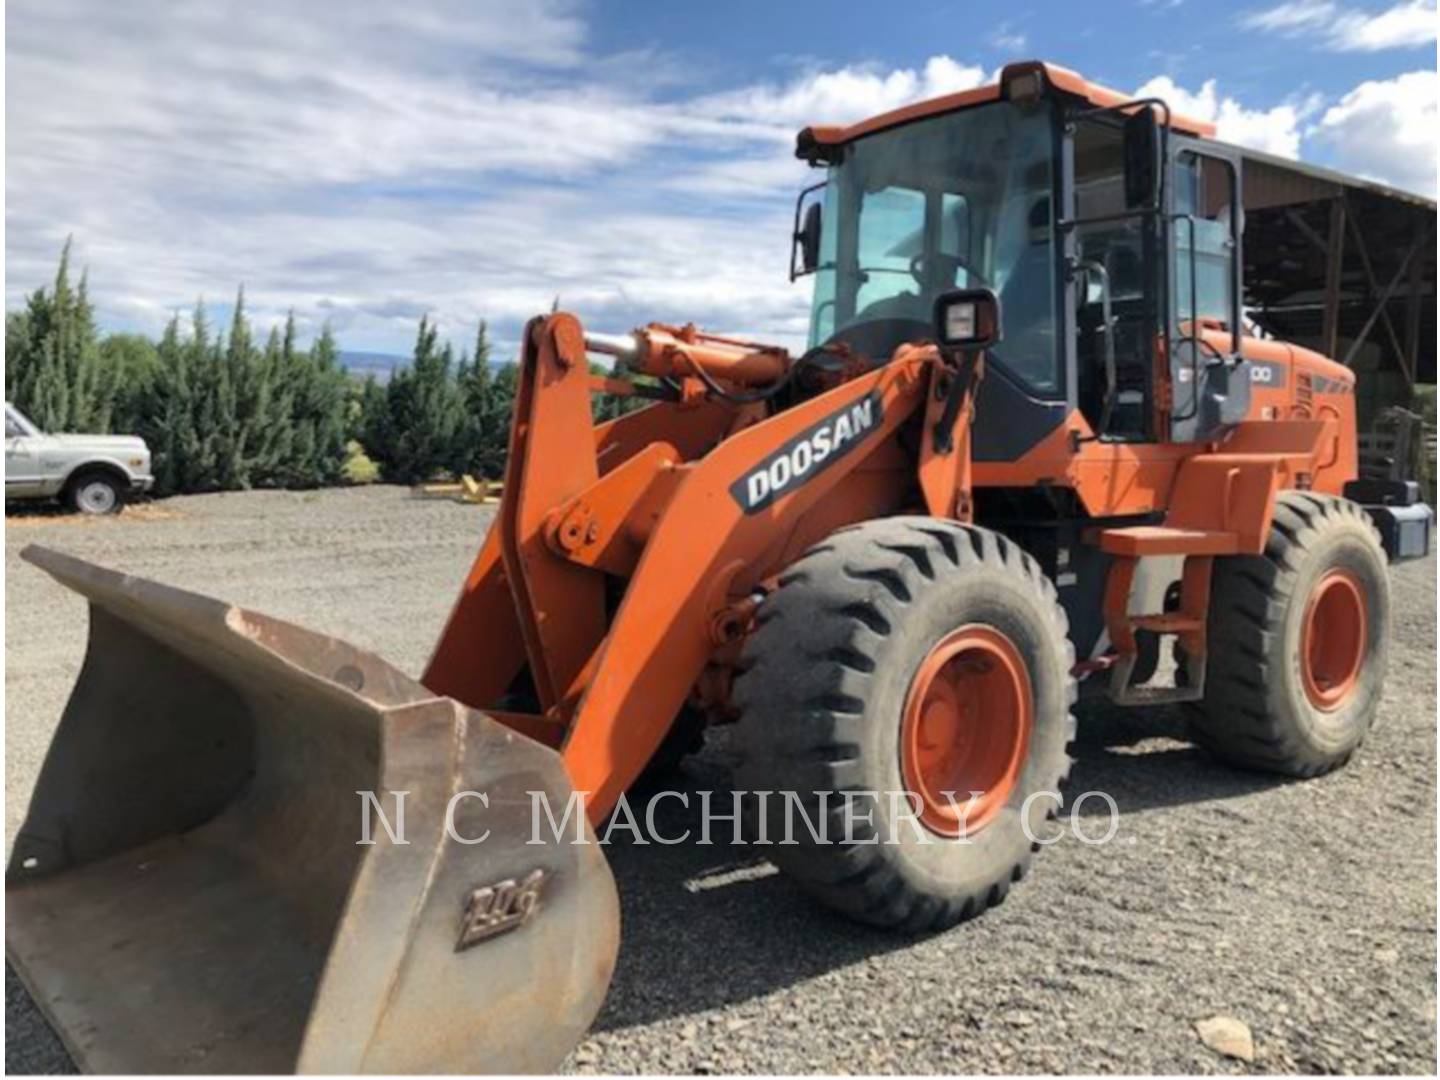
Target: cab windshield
x,y
953,201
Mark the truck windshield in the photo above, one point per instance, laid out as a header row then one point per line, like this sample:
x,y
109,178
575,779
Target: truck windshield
x,y
17,424
954,201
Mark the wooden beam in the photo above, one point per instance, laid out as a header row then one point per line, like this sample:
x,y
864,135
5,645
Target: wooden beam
x,y
1334,264
1310,234
1420,242
1375,290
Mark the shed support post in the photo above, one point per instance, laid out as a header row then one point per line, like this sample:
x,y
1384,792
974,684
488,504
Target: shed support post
x,y
1412,325
1334,263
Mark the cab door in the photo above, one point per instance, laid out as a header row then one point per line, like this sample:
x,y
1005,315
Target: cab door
x,y
1209,379
1116,270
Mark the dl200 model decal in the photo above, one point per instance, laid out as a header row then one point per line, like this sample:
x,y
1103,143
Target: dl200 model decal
x,y
806,454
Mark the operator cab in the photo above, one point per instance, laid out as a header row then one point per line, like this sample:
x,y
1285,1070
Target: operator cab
x,y
1109,235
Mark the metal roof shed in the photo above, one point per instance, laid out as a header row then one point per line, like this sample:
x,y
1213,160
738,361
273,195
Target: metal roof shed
x,y
1345,266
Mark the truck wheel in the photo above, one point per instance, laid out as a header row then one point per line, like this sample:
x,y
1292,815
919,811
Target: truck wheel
x,y
897,661
95,493
1298,640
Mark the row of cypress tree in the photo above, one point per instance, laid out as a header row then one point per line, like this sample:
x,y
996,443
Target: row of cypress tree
x,y
221,411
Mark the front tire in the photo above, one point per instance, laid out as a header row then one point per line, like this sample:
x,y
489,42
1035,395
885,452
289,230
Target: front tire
x,y
906,657
1298,641
95,493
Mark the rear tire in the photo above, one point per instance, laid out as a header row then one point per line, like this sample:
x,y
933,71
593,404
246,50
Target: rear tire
x,y
844,656
95,493
1298,641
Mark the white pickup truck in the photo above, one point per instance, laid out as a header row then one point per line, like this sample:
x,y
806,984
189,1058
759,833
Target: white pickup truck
x,y
92,474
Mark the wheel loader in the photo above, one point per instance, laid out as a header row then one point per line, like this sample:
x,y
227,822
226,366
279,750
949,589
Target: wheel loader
x,y
1029,450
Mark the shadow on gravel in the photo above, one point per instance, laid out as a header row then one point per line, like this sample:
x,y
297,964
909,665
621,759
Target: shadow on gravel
x,y
711,926
707,926
1113,755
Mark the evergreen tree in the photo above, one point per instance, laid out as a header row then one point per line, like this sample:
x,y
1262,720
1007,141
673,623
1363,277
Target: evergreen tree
x,y
168,407
366,417
132,362
503,385
413,435
309,404
485,427
319,449
202,444
605,407
238,398
17,363
271,424
53,371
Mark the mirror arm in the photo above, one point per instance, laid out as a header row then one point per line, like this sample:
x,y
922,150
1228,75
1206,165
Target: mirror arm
x,y
1166,114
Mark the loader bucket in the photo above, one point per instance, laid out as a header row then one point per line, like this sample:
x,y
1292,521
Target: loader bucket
x,y
188,893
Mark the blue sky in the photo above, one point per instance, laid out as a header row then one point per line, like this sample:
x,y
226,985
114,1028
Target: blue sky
x,y
365,161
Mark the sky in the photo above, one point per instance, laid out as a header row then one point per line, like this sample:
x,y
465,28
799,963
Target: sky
x,y
365,162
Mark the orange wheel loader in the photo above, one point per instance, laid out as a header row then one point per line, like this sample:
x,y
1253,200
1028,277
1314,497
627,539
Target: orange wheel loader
x,y
1028,447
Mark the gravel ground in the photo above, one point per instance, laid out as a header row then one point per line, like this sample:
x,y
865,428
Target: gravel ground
x,y
1305,910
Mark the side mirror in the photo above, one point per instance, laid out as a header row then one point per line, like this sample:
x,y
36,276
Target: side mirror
x,y
967,319
805,253
1142,158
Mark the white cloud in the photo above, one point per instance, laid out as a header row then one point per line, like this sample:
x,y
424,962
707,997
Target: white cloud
x,y
1386,130
367,163
1007,39
1275,130
1408,24
1294,16
841,96
777,111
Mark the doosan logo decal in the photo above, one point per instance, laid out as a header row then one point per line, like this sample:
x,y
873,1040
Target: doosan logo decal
x,y
805,455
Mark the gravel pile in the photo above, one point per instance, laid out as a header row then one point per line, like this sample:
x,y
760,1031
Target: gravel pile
x,y
1301,915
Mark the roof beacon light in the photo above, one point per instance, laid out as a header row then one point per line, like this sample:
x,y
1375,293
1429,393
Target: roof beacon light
x,y
1026,86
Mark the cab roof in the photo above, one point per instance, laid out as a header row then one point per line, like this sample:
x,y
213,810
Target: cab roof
x,y
813,140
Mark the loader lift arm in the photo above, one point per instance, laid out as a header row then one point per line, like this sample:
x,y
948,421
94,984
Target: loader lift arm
x,y
692,505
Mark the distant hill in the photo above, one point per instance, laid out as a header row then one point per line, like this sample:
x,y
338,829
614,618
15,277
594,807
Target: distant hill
x,y
378,364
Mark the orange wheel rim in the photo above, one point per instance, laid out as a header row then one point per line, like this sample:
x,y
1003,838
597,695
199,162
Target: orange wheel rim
x,y
1333,637
966,729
